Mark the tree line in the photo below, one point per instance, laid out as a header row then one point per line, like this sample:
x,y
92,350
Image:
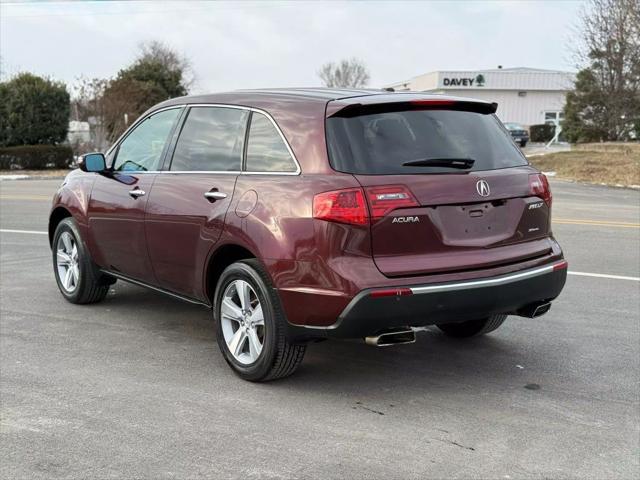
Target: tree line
x,y
36,110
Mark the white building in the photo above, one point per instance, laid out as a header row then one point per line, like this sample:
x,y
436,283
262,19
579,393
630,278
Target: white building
x,y
79,132
527,96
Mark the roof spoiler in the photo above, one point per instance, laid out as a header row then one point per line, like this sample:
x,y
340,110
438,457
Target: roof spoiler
x,y
356,109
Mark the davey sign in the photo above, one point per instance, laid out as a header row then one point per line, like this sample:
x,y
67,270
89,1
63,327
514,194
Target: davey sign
x,y
477,81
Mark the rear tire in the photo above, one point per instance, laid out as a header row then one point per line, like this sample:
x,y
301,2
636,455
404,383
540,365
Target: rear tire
x,y
251,326
472,328
523,144
78,278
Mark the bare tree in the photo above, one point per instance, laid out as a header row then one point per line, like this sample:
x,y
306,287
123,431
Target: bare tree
x,y
125,100
105,104
611,36
160,53
89,105
606,101
157,74
111,105
348,73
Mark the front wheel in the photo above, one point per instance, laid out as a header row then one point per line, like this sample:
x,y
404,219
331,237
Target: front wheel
x,y
78,279
250,325
472,328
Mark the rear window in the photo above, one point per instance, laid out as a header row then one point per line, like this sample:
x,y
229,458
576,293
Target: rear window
x,y
379,144
266,150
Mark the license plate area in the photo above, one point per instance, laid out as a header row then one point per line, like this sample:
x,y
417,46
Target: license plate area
x,y
480,224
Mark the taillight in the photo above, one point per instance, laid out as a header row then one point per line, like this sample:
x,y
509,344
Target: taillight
x,y
539,186
342,206
348,206
387,198
561,265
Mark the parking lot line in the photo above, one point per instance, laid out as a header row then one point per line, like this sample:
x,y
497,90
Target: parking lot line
x,y
30,232
595,223
602,275
40,198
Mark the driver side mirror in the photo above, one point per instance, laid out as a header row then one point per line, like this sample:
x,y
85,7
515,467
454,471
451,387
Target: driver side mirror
x,y
92,162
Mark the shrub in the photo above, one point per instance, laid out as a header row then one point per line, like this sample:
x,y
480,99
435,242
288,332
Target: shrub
x,y
35,157
33,111
542,133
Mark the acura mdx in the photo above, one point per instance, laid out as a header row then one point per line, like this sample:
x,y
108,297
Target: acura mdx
x,y
297,215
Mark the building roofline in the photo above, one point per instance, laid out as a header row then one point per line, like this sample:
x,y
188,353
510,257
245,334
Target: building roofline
x,y
510,70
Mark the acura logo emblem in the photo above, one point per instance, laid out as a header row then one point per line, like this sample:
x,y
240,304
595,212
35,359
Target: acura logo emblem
x,y
483,188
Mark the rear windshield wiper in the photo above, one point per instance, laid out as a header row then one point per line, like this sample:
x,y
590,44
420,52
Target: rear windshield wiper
x,y
463,163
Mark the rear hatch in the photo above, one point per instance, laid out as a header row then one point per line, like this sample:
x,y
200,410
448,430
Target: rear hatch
x,y
447,189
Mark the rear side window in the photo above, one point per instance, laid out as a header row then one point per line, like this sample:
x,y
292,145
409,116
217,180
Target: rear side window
x,y
379,144
266,150
211,140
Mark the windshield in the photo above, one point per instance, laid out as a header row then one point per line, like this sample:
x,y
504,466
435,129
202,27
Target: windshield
x,y
379,144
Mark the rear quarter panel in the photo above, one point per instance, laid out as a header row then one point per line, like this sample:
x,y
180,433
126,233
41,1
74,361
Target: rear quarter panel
x,y
310,261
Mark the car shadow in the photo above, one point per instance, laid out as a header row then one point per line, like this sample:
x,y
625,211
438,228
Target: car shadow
x,y
433,363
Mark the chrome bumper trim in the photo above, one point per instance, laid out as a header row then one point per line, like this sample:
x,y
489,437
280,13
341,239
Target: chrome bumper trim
x,y
486,282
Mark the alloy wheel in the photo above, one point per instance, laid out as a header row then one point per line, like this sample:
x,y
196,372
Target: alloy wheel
x,y
242,322
67,262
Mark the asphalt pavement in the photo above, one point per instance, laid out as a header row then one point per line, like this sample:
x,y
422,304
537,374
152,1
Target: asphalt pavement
x,y
135,387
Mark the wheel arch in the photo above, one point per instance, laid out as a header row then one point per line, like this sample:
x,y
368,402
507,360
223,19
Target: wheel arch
x,y
57,215
221,258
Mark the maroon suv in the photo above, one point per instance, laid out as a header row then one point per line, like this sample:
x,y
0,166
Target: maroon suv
x,y
302,214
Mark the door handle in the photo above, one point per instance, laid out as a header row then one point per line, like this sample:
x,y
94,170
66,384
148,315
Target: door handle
x,y
215,195
136,192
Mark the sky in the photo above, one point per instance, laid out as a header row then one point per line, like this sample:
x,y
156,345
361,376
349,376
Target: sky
x,y
249,44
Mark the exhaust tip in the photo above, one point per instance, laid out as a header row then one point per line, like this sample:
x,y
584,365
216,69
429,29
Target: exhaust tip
x,y
541,309
391,337
534,310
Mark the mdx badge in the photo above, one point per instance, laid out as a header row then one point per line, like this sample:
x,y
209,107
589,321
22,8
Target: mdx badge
x,y
483,188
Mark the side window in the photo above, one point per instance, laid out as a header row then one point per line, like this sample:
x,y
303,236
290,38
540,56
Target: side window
x,y
211,140
266,150
142,149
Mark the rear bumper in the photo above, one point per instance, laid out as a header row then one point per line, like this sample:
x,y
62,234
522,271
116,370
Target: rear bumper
x,y
374,310
521,140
